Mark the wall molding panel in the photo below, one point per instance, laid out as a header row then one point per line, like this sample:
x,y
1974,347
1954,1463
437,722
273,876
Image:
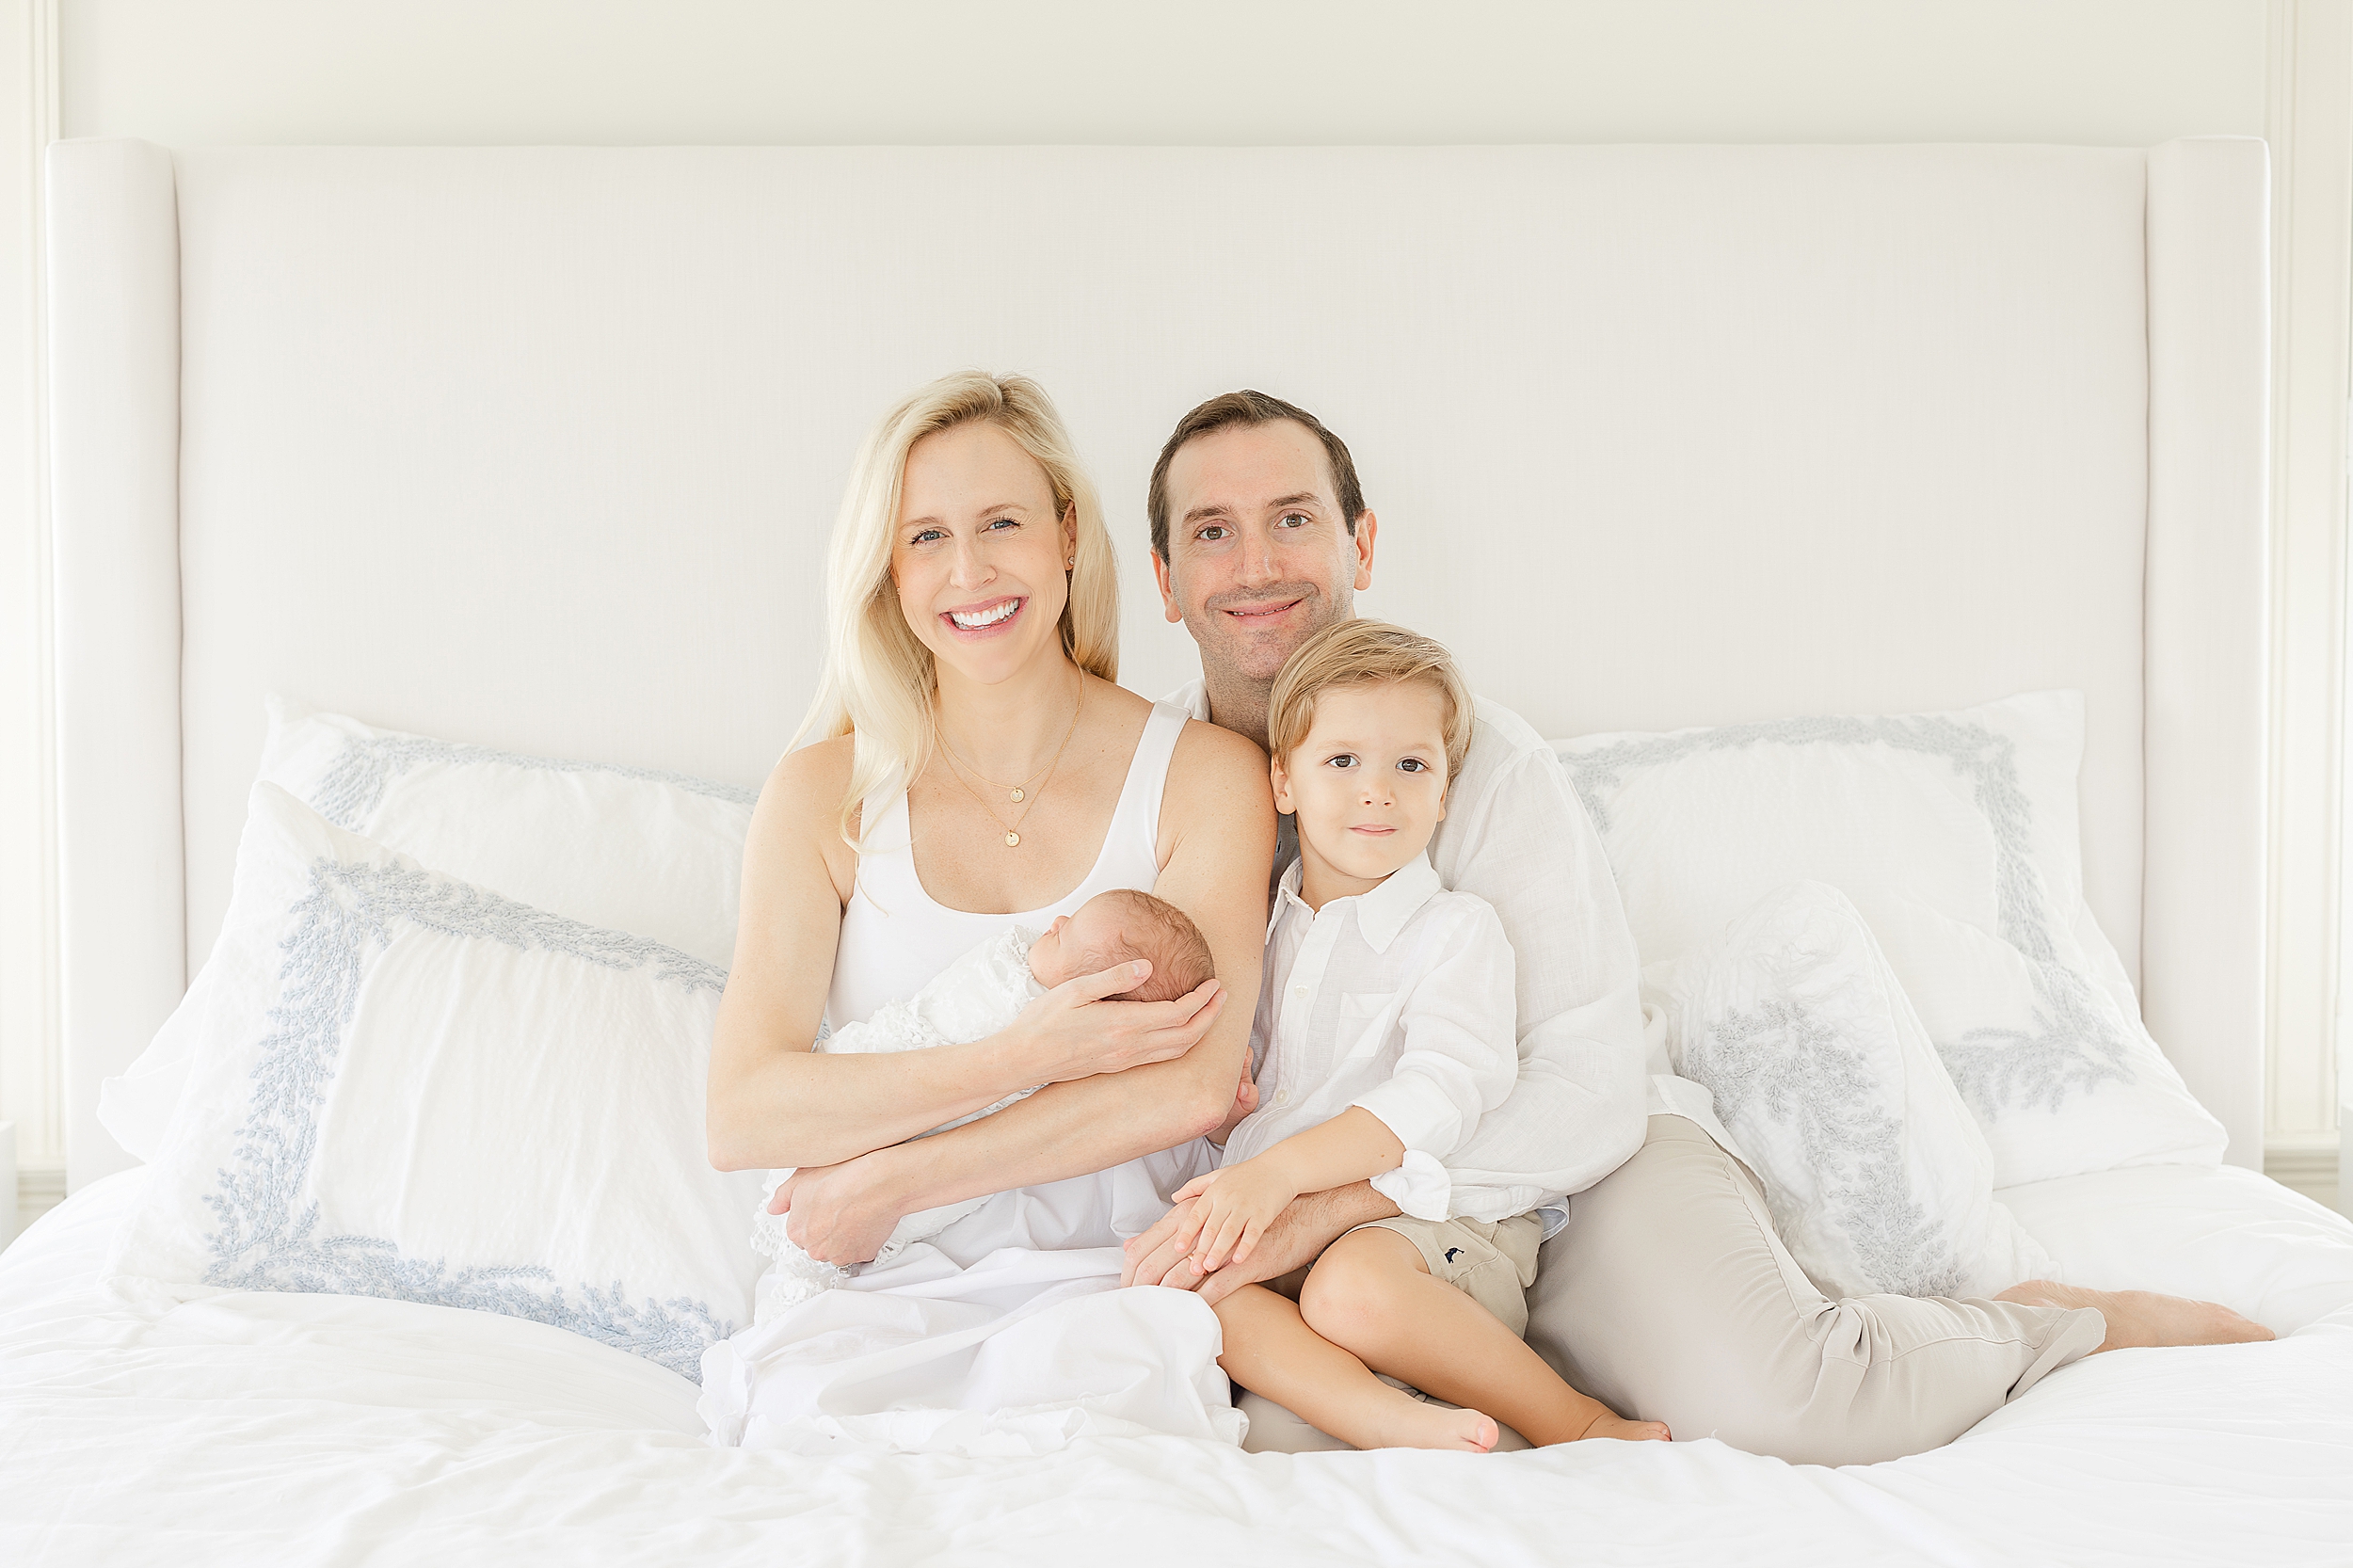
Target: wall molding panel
x,y
31,1071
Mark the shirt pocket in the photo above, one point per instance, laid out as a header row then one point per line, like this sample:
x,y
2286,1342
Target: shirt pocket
x,y
1363,1024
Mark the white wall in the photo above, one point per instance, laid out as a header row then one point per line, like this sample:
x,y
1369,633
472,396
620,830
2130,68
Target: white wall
x,y
2120,71
1232,71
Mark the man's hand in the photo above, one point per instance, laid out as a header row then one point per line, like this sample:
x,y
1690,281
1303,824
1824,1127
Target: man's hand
x,y
839,1214
1231,1210
1293,1239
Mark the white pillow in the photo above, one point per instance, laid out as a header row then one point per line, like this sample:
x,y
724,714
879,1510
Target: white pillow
x,y
1954,836
407,1086
630,849
1876,1174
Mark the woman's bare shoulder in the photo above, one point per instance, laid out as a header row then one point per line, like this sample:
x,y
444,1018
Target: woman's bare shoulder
x,y
824,764
801,804
1216,770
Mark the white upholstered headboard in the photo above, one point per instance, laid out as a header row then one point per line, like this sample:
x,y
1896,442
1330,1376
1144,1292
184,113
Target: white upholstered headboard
x,y
539,447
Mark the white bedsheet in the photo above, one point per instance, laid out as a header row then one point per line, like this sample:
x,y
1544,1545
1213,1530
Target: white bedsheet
x,y
300,1429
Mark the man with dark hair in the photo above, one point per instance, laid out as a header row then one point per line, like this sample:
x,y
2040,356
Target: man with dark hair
x,y
1664,1291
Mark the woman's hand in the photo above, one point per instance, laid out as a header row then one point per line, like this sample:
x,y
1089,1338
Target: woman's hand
x,y
1232,1209
1071,1032
839,1214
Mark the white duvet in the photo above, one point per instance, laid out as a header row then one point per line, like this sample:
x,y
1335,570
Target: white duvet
x,y
302,1429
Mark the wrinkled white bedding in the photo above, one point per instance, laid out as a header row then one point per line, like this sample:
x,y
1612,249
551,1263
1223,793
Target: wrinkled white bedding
x,y
300,1430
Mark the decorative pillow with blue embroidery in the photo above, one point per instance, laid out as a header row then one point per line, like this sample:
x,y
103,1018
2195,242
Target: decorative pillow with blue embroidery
x,y
1956,836
1876,1174
408,1086
636,849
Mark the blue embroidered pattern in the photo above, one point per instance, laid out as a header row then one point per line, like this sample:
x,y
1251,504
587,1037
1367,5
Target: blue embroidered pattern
x,y
354,786
1794,1069
2073,1046
268,1238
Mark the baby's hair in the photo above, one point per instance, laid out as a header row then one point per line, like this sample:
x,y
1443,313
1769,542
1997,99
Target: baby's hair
x,y
1366,653
1157,930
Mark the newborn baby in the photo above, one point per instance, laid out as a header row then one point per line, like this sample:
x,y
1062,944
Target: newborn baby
x,y
970,999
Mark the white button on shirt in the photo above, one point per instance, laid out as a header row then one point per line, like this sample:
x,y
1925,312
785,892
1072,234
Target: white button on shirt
x,y
1398,1000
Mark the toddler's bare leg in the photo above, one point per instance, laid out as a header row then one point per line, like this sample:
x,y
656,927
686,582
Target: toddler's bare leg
x,y
1269,1349
1371,1294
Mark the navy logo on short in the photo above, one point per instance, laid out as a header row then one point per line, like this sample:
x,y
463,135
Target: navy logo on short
x,y
1453,1253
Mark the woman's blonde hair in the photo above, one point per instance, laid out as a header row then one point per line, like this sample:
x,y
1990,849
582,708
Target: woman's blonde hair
x,y
879,676
1366,653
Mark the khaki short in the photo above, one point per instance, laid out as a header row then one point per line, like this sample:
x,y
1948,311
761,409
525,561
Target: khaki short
x,y
1491,1262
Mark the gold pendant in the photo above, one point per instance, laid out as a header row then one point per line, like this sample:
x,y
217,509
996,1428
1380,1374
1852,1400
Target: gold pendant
x,y
1017,796
1013,840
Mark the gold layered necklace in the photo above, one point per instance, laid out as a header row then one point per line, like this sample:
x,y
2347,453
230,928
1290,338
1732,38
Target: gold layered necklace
x,y
1022,794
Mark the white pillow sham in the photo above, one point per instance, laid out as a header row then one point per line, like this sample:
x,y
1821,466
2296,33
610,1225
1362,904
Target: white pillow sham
x,y
628,849
1877,1176
1955,835
407,1086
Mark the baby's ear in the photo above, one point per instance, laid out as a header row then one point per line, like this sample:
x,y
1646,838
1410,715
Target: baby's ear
x,y
1055,929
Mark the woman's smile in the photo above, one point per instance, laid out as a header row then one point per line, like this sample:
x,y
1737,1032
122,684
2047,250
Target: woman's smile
x,y
990,617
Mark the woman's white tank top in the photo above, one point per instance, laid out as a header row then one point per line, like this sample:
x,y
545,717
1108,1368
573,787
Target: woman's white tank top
x,y
894,938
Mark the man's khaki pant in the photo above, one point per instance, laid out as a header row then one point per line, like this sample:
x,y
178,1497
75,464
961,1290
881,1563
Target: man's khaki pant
x,y
1669,1298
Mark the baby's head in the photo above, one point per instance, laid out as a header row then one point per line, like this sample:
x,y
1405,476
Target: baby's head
x,y
1116,928
1366,729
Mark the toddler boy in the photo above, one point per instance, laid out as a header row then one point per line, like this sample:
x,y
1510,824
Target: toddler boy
x,y
1387,1025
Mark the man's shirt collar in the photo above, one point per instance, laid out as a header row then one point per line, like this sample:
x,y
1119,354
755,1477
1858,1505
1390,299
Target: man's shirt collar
x,y
1193,697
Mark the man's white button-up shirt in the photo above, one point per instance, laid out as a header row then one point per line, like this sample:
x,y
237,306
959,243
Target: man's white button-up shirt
x,y
1398,1000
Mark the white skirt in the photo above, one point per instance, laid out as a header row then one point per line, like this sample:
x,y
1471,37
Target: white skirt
x,y
1005,1334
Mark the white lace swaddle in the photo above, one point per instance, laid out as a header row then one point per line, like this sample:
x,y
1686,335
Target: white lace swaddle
x,y
970,999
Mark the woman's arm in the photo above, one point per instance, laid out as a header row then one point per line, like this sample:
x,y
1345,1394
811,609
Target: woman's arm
x,y
774,1101
1217,835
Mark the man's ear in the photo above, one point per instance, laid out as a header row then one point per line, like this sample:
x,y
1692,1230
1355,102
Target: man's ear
x,y
1168,590
1367,526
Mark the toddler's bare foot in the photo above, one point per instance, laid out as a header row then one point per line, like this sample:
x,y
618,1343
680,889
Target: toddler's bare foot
x,y
1408,1423
1607,1425
2142,1319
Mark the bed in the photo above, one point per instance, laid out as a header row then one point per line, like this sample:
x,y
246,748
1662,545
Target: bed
x,y
536,448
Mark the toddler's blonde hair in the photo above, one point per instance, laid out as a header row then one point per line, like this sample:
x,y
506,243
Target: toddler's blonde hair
x,y
1366,653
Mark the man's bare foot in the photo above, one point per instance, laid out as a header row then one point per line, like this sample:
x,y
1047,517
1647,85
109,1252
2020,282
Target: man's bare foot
x,y
1408,1423
2142,1319
1625,1431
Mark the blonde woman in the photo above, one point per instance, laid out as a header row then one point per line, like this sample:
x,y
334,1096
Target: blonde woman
x,y
974,765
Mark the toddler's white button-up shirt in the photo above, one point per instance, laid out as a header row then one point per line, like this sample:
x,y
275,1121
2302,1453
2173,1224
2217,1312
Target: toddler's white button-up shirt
x,y
1400,1000
1515,834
